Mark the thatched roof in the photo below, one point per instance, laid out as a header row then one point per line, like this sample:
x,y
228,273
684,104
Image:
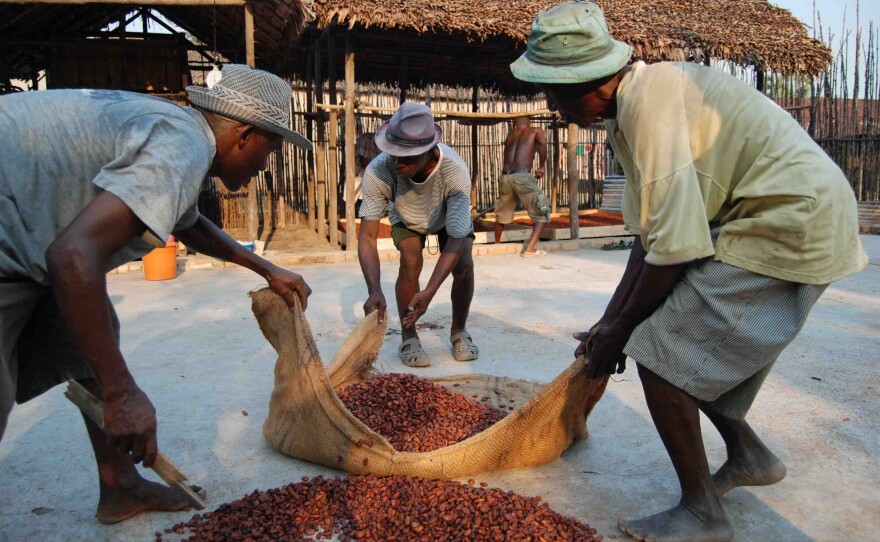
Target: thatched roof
x,y
28,29
746,32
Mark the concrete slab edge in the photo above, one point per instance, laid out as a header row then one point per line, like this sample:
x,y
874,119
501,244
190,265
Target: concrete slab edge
x,y
293,259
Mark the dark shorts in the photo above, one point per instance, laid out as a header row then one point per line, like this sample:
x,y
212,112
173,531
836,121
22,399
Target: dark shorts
x,y
399,232
36,350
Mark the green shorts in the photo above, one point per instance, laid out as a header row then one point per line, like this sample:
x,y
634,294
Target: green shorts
x,y
399,232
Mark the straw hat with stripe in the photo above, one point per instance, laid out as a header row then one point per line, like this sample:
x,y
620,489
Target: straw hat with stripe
x,y
253,97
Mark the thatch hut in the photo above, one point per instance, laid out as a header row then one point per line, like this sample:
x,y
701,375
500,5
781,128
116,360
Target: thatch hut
x,y
67,40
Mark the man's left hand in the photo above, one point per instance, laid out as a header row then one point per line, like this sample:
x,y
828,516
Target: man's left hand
x,y
417,307
605,351
289,286
539,172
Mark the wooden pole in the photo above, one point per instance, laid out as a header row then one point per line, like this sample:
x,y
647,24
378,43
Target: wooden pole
x,y
312,131
320,149
571,148
475,150
280,190
350,136
554,190
333,177
252,212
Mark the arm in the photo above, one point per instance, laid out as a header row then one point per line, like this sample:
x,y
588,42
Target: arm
x,y
205,237
445,264
368,256
76,262
647,292
541,147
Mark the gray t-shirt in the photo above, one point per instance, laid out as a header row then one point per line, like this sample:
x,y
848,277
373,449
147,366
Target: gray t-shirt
x,y
61,148
442,201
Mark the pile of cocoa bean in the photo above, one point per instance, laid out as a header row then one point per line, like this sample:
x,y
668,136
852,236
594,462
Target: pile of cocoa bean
x,y
416,415
393,508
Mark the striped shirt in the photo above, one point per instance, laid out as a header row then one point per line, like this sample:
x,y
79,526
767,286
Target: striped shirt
x,y
442,201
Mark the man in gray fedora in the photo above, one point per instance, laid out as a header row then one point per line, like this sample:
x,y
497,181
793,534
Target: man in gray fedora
x,y
91,179
743,221
425,188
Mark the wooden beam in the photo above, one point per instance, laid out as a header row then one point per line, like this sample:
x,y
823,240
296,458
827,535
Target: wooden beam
x,y
573,178
446,112
350,143
252,211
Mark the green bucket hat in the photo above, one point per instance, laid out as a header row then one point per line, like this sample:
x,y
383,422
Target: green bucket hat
x,y
570,43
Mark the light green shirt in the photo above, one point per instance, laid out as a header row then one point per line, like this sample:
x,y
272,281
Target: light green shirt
x,y
702,149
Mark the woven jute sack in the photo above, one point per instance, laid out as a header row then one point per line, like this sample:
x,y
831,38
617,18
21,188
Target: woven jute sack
x,y
307,419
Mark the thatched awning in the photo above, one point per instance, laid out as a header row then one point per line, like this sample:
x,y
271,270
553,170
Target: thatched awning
x,y
26,29
745,32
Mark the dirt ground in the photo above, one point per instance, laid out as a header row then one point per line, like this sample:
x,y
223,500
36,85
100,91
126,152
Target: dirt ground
x,y
195,348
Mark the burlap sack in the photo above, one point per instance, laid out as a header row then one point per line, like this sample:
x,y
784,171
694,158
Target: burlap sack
x,y
308,420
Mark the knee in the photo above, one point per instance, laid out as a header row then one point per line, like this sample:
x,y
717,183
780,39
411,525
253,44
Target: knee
x,y
410,267
464,269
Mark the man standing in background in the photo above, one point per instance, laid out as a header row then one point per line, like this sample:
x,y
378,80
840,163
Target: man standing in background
x,y
518,185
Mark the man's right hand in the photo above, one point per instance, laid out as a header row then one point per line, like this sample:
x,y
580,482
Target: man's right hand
x,y
376,301
130,423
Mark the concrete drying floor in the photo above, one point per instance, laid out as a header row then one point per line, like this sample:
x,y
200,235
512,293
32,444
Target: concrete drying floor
x,y
195,348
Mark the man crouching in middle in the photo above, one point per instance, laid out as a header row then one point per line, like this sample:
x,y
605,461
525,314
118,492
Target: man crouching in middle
x,y
425,187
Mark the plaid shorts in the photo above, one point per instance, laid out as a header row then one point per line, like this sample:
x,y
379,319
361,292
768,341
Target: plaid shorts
x,y
719,332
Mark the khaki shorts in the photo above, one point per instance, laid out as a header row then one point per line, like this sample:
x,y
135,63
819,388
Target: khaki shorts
x,y
36,350
719,332
522,188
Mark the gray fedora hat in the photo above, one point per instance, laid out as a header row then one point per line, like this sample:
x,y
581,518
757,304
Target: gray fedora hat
x,y
410,131
253,97
570,43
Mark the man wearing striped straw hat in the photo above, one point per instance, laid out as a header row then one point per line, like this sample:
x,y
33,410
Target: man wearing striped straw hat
x,y
743,221
91,179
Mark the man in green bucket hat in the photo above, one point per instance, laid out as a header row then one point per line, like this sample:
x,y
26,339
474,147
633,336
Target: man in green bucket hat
x,y
743,222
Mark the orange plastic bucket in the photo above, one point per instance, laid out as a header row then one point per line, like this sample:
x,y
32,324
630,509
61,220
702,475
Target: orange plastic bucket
x,y
161,263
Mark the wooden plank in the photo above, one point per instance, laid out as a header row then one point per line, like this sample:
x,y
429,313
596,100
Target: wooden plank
x,y
93,408
333,178
350,143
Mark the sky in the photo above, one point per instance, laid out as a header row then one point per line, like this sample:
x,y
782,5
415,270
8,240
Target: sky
x,y
832,12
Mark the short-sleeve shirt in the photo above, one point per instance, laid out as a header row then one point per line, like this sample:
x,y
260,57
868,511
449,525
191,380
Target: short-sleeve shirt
x,y
61,148
702,149
443,200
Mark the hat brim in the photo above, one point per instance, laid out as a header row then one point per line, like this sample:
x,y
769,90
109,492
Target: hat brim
x,y
403,150
525,69
201,97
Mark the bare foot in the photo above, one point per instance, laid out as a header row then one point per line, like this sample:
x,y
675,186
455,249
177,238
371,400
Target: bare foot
x,y
678,524
755,468
117,505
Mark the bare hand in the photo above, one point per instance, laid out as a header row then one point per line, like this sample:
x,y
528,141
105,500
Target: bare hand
x,y
376,302
539,172
417,307
604,350
130,423
289,286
